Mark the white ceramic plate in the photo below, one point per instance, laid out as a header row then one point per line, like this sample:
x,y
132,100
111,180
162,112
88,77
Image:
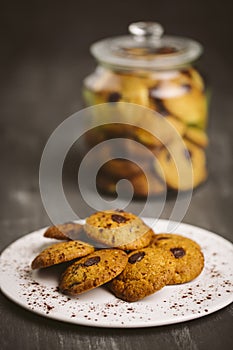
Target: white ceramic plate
x,y
37,290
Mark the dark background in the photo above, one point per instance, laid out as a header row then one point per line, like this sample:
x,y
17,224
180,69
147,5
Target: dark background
x,y
44,58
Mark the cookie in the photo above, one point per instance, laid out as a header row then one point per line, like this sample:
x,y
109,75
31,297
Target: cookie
x,y
98,97
118,229
174,85
178,124
61,252
188,78
183,165
94,136
147,139
147,126
93,271
189,260
147,271
191,107
153,130
139,153
106,184
141,242
66,231
134,90
198,160
120,168
146,183
114,130
101,87
194,78
163,238
197,136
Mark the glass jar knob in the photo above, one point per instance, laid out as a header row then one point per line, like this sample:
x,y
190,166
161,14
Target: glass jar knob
x,y
146,30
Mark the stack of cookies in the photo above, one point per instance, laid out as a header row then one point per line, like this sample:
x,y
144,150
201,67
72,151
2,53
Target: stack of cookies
x,y
179,96
117,249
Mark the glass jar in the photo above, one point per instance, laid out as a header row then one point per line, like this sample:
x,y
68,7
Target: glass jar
x,y
157,72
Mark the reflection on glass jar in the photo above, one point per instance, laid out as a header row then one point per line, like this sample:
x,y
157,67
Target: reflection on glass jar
x,y
158,73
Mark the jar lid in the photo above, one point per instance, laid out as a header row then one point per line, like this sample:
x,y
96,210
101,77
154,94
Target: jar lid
x,y
146,48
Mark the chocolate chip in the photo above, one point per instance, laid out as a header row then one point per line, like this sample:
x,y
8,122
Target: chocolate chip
x,y
159,105
187,87
178,252
162,238
136,257
168,157
187,154
186,72
114,97
118,218
92,261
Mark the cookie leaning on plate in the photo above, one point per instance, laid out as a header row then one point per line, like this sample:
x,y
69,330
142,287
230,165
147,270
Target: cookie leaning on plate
x,y
189,260
66,231
118,229
93,271
61,252
147,271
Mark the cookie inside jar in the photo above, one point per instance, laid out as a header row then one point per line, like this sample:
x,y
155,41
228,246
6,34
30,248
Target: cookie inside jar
x,y
158,72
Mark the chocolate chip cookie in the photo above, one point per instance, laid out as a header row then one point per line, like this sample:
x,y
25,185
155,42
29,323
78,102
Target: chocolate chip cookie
x,y
190,107
118,229
163,238
189,260
66,231
145,183
197,136
93,271
183,165
120,168
61,252
147,271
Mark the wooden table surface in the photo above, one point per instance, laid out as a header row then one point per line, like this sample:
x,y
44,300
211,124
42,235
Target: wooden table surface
x,y
43,62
